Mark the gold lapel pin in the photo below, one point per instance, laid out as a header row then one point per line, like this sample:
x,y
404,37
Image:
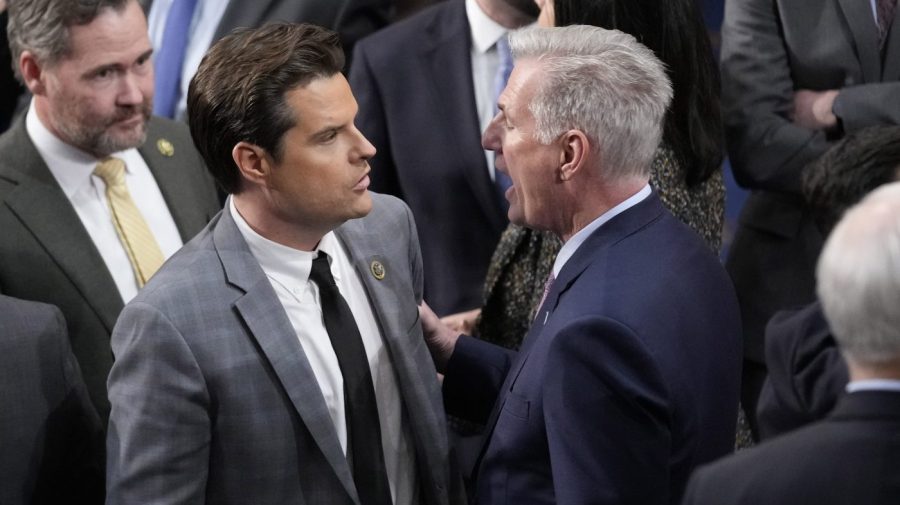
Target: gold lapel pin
x,y
165,147
377,269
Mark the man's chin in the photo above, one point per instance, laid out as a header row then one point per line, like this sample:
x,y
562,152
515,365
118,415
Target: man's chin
x,y
364,205
516,216
125,134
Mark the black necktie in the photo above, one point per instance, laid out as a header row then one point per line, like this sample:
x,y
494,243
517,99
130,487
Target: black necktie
x,y
363,426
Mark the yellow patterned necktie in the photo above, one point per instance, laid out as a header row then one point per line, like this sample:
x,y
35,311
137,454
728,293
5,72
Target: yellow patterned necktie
x,y
136,237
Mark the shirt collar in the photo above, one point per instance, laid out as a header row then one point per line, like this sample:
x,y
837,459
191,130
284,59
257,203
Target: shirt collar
x,y
286,265
71,167
874,385
568,249
485,31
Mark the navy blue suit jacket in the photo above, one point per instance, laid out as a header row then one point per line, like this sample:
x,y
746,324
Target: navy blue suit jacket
x,y
627,380
413,82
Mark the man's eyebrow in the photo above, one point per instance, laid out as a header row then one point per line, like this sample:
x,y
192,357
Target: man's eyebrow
x,y
326,131
116,66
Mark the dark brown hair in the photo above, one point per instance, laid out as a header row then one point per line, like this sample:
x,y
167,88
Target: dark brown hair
x,y
238,93
849,170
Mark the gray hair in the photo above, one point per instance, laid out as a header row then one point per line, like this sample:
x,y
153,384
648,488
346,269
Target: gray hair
x,y
42,26
603,83
859,278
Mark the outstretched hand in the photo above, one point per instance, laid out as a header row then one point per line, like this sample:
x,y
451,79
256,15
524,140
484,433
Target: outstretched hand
x,y
440,338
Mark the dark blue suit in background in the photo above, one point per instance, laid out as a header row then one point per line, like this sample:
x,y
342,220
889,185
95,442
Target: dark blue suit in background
x,y
627,381
413,82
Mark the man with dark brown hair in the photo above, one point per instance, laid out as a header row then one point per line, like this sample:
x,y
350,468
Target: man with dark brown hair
x,y
278,357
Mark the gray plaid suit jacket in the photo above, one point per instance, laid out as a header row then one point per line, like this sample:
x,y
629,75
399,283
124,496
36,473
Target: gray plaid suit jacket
x,y
213,399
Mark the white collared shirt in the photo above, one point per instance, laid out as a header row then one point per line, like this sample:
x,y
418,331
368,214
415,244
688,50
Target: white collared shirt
x,y
207,16
485,61
73,170
568,249
288,272
874,385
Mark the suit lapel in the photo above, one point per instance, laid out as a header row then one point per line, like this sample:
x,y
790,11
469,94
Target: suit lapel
x,y
269,325
862,26
42,207
174,181
448,47
387,306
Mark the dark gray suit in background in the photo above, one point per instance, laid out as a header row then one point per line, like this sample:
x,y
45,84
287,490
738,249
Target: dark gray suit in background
x,y
413,82
51,439
770,48
47,255
849,458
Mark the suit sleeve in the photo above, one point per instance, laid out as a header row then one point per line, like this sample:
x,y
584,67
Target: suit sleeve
x,y
159,428
475,372
868,105
767,150
806,376
415,256
73,467
607,417
372,122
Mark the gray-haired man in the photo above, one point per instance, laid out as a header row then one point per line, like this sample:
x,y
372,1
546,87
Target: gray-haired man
x,y
629,375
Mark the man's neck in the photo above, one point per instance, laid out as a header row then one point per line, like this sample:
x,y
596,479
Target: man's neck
x,y
602,199
270,227
504,14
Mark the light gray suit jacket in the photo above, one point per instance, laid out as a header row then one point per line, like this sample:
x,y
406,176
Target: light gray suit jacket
x,y
769,49
47,255
214,400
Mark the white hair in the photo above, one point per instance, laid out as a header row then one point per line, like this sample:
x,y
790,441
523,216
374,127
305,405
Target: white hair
x,y
859,278
603,83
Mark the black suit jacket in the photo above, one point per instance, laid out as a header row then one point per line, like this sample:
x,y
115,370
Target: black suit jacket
x,y
47,255
850,458
50,434
807,375
413,82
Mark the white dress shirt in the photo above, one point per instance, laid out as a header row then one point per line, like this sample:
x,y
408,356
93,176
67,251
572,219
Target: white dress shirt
x,y
73,170
485,61
874,385
288,272
207,16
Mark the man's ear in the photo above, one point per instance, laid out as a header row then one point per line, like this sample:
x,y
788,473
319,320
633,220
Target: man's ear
x,y
573,155
32,73
253,162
